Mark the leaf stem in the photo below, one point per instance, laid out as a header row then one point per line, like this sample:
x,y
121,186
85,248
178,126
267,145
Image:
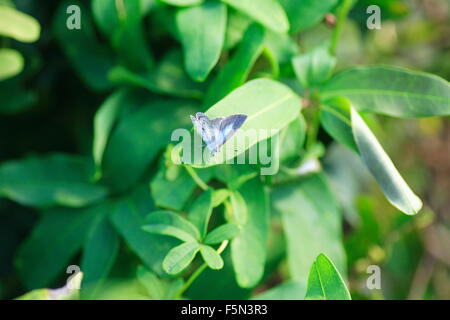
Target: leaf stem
x,y
342,13
196,178
198,272
313,130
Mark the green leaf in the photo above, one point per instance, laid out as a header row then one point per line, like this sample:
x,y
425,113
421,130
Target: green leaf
x,y
180,257
292,139
200,212
121,21
306,13
88,58
237,69
99,251
325,282
224,232
335,119
211,257
38,294
221,283
128,216
269,106
203,40
168,230
186,231
105,119
54,179
286,291
237,24
18,25
15,97
380,165
219,196
168,77
56,238
311,222
239,209
158,289
268,12
142,134
248,249
314,67
282,46
174,194
182,3
11,63
391,91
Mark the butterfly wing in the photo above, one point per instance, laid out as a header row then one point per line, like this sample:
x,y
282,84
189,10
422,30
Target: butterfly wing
x,y
226,128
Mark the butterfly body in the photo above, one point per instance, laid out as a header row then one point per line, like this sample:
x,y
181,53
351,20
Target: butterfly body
x,y
215,132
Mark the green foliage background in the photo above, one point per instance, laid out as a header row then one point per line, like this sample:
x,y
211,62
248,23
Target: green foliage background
x,y
86,176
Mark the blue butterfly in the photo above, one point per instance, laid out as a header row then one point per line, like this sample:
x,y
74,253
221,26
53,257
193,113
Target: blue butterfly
x,y
215,132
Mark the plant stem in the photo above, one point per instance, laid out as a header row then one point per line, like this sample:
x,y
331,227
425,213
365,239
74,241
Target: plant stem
x,y
342,13
196,178
197,272
313,130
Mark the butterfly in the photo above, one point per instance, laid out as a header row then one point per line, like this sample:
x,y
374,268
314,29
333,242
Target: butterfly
x,y
215,132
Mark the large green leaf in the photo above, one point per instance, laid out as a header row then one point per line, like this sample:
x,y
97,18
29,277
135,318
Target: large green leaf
x,y
391,91
56,238
312,223
180,257
269,106
100,250
325,282
142,134
200,212
18,25
268,12
128,216
236,71
11,63
121,21
382,168
88,57
203,40
182,3
248,249
54,179
306,13
106,117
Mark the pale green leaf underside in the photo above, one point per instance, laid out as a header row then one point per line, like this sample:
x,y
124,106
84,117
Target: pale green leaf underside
x,y
382,168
